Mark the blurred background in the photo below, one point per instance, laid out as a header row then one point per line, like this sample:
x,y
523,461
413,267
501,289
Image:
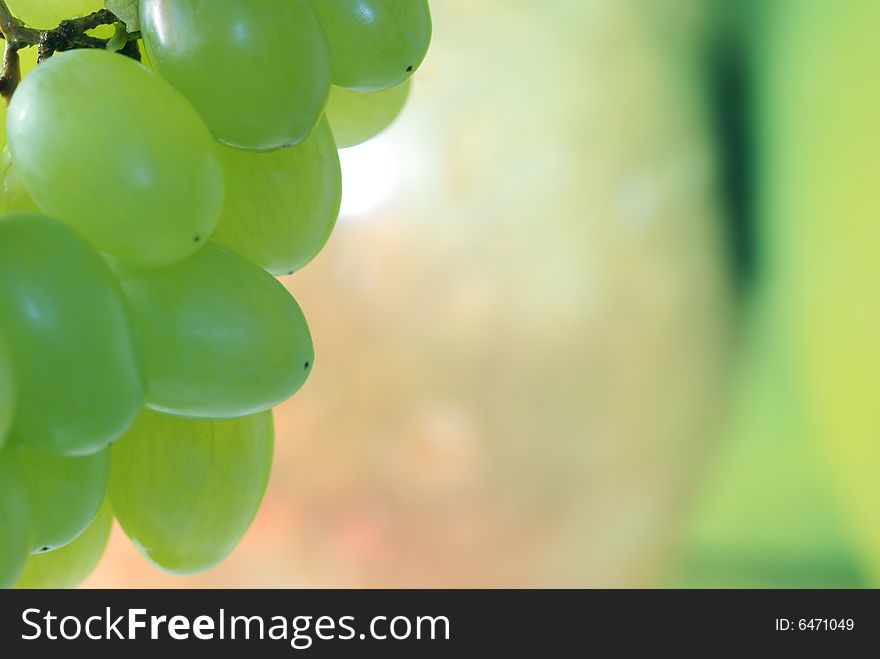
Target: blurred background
x,y
560,329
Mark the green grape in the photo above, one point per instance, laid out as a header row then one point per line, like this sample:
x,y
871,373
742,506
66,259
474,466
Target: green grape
x,y
105,145
219,336
67,333
13,519
257,71
13,196
374,44
280,207
186,491
47,14
7,390
64,494
70,565
357,116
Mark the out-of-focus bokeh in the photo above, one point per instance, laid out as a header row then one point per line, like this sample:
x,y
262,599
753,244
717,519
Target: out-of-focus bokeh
x,y
549,352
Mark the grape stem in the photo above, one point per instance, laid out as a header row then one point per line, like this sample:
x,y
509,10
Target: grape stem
x,y
68,35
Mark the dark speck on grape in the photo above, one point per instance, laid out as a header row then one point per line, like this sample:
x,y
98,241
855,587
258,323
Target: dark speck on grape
x,y
307,365
409,69
44,549
197,239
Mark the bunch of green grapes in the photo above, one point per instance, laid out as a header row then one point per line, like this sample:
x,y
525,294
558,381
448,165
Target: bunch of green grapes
x,y
145,209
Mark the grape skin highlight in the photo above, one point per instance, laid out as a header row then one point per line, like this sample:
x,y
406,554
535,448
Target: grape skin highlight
x,y
66,329
257,71
144,184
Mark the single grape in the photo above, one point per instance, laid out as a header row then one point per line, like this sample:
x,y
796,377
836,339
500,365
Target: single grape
x,y
280,207
356,117
63,493
7,390
219,337
257,71
13,518
14,197
374,44
107,146
68,337
186,491
70,565
47,14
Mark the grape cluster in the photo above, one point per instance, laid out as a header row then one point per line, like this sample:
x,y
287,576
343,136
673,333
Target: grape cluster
x,y
146,207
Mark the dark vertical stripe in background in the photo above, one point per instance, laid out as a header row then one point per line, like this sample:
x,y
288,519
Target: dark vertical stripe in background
x,y
732,115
